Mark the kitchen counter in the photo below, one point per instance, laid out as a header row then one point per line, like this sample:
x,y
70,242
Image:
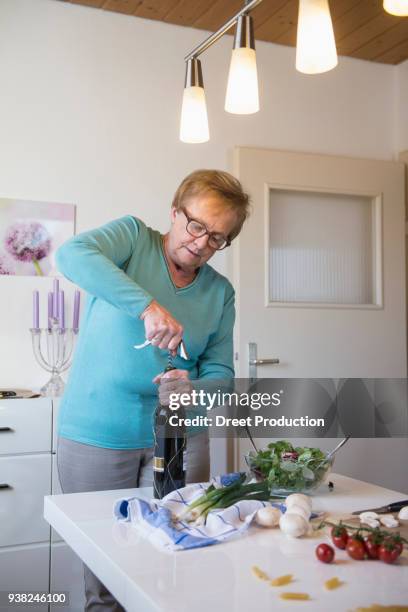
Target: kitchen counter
x,y
219,577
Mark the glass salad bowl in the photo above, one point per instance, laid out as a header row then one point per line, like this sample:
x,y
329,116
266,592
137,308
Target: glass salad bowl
x,y
290,469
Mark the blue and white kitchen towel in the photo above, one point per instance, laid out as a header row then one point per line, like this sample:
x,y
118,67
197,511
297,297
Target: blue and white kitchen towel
x,y
156,519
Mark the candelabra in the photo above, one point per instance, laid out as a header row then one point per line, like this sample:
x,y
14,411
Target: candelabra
x,y
59,345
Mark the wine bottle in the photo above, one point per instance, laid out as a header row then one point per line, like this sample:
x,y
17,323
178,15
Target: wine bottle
x,y
170,441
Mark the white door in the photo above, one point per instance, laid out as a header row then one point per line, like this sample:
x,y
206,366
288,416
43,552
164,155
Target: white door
x,y
319,272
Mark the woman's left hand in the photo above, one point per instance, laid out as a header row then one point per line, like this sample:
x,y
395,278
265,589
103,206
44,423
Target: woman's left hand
x,y
172,382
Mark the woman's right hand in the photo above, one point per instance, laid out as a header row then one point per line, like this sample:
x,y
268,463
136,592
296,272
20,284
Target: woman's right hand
x,y
161,328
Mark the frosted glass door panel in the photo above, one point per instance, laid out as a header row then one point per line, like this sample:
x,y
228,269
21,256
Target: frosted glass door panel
x,y
322,248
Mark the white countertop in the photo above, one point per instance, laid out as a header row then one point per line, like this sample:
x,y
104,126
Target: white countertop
x,y
219,577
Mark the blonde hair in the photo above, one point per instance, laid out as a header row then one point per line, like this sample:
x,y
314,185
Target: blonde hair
x,y
219,183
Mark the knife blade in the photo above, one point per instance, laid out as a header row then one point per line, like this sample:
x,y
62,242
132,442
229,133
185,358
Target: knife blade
x,y
395,507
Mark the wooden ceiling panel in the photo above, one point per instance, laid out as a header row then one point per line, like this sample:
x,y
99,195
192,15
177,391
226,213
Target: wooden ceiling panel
x,y
186,12
265,10
154,9
362,12
340,7
279,23
289,37
383,43
127,7
218,13
361,27
362,35
395,55
93,3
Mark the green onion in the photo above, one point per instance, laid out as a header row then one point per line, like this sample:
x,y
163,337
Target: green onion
x,y
223,497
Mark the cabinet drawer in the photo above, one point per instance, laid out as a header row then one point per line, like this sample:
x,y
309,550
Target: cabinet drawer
x,y
25,569
25,426
21,504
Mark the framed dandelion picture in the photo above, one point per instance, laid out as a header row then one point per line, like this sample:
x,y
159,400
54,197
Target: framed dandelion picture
x,y
30,233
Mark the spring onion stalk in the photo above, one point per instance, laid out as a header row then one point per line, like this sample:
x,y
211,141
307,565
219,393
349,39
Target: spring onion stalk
x,y
222,497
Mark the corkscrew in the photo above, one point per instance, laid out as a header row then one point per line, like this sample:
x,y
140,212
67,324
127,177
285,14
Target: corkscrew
x,y
181,348
170,365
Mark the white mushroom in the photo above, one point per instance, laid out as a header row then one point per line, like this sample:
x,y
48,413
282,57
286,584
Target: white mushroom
x,y
380,518
371,516
293,525
373,523
268,516
389,521
403,514
301,510
298,499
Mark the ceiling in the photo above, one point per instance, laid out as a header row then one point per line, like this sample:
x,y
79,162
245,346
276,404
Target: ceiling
x,y
361,27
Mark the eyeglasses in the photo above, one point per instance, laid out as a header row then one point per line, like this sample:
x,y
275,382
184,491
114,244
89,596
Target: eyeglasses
x,y
195,228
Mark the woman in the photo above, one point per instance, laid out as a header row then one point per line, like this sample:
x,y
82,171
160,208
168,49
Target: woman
x,y
143,285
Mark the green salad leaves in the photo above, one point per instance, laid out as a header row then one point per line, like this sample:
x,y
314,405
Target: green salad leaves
x,y
289,468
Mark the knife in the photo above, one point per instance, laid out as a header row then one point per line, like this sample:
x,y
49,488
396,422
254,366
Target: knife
x,y
395,507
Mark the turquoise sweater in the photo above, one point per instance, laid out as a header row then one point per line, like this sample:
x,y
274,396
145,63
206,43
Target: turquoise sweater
x,y
109,399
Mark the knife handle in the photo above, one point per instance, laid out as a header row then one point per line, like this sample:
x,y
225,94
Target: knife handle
x,y
396,506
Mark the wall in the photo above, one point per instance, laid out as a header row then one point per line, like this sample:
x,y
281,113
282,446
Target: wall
x,y
401,102
89,111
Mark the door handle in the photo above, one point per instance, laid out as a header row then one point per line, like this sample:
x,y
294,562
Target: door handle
x,y
254,362
4,485
257,362
3,429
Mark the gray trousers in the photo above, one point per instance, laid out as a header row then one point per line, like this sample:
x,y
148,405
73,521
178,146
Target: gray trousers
x,y
82,467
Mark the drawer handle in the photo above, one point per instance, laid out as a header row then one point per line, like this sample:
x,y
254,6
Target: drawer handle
x,y
4,485
3,429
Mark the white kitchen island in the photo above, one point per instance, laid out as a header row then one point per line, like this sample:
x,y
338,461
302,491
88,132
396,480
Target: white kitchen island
x,y
219,577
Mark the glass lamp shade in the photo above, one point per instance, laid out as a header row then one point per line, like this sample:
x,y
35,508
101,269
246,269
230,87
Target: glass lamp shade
x,y
194,120
316,47
242,96
396,7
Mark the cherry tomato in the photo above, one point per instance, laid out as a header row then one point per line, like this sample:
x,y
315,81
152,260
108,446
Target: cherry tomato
x,y
396,540
355,548
325,553
388,551
372,544
339,536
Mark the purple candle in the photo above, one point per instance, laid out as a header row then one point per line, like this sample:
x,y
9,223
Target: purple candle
x,y
61,310
50,303
36,310
55,310
77,300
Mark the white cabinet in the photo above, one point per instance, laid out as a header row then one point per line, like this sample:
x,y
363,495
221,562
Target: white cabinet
x,y
25,568
25,477
31,558
25,426
28,478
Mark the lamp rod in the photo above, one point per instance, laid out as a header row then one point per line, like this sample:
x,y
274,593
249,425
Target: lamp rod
x,y
221,31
